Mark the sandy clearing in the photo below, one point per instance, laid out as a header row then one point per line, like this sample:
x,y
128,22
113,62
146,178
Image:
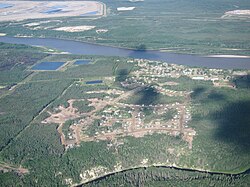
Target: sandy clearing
x,y
125,8
65,114
32,24
75,28
245,13
22,10
228,56
2,34
238,12
8,168
98,31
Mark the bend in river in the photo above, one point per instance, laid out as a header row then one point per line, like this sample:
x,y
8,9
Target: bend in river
x,y
83,48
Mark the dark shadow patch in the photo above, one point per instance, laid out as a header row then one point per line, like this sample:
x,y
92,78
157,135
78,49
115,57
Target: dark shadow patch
x,y
234,124
122,75
141,52
242,81
214,96
147,96
198,92
141,47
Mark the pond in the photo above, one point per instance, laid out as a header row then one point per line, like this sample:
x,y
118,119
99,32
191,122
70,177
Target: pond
x,y
94,82
47,66
54,9
5,5
90,13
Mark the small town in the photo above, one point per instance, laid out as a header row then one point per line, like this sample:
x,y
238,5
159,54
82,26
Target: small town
x,y
112,117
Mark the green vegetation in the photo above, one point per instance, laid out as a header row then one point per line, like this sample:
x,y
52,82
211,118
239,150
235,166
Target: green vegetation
x,y
185,83
149,115
117,125
220,119
169,115
93,128
82,106
10,179
24,104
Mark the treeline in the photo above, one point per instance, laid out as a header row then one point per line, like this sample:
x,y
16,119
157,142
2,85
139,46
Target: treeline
x,y
160,176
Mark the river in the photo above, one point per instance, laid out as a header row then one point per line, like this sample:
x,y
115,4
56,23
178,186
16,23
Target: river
x,y
83,48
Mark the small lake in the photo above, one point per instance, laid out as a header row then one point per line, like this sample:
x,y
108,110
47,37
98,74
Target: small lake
x,y
83,48
48,66
82,62
54,9
94,82
90,13
5,5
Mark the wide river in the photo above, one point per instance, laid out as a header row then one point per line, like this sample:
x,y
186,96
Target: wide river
x,y
83,48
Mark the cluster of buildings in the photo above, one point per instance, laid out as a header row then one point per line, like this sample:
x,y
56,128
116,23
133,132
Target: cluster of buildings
x,y
151,71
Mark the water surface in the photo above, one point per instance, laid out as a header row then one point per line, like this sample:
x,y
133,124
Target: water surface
x,y
94,82
54,9
5,5
47,66
82,48
90,13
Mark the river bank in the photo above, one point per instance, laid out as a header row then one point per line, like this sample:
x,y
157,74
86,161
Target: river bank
x,y
82,48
